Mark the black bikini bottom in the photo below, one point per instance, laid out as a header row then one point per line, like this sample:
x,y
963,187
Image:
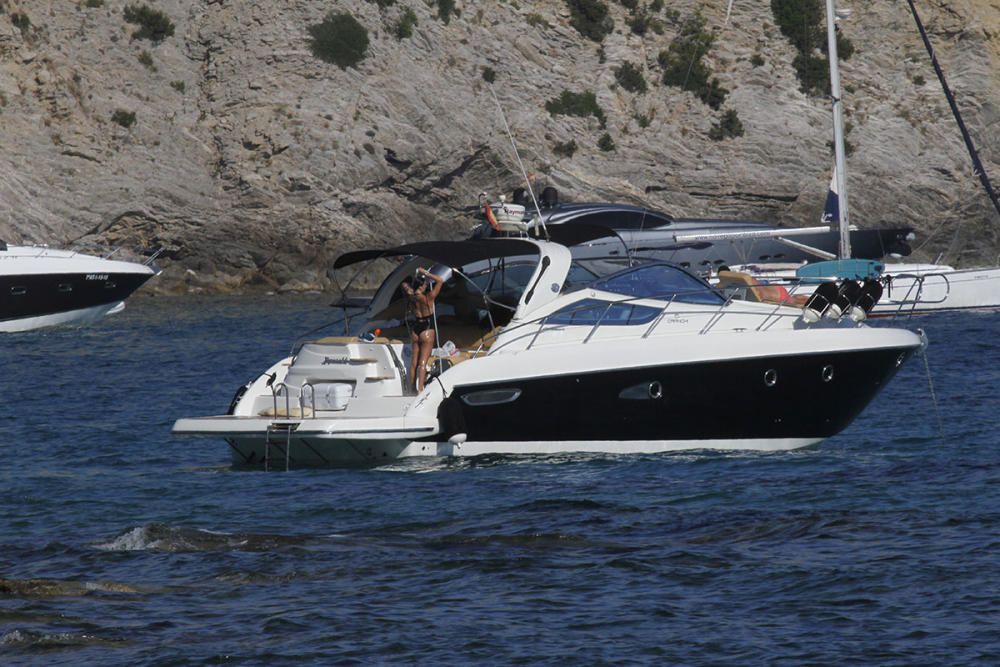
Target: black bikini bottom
x,y
418,325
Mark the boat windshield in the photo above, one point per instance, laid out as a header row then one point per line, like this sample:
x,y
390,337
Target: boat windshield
x,y
660,281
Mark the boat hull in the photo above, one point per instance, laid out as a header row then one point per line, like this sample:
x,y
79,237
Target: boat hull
x,y
767,403
33,301
279,451
933,290
788,399
911,289
64,318
308,452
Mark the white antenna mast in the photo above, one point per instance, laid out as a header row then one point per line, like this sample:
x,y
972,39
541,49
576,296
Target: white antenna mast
x,y
517,156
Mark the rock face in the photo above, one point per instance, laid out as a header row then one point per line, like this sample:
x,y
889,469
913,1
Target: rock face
x,y
253,163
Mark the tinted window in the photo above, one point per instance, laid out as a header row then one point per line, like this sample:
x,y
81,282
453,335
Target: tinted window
x,y
622,219
659,281
590,311
577,277
509,280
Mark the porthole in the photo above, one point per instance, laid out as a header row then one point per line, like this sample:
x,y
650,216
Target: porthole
x,y
826,373
655,389
900,359
109,284
770,377
18,291
65,287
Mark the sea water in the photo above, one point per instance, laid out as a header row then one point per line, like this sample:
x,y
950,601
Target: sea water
x,y
122,545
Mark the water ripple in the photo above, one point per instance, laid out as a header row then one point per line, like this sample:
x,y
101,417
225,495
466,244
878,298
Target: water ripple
x,y
120,545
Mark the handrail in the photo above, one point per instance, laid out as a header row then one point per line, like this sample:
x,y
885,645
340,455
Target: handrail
x,y
919,279
302,396
769,318
152,258
659,317
718,314
598,322
918,283
773,313
275,390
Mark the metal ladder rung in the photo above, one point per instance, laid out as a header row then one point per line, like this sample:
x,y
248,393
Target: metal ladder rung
x,y
275,427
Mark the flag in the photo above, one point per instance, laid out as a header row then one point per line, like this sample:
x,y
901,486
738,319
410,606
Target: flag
x,y
490,217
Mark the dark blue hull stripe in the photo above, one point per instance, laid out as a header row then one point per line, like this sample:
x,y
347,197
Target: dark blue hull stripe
x,y
809,396
45,294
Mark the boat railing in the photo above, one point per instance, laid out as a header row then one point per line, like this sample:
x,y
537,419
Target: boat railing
x,y
312,399
281,390
768,318
151,259
278,389
908,304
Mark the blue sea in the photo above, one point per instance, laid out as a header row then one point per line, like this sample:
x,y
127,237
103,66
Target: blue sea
x,y
122,545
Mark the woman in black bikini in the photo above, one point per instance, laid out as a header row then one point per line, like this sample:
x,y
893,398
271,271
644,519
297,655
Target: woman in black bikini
x,y
421,324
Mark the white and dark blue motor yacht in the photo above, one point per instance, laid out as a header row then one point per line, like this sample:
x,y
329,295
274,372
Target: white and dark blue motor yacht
x,y
541,353
701,244
41,286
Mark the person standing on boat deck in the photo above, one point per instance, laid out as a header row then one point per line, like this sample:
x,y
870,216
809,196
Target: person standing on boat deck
x,y
421,323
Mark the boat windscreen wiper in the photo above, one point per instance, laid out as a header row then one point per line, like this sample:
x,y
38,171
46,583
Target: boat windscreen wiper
x,y
545,264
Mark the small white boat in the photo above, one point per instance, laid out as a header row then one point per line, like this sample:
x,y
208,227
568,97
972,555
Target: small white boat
x,y
910,289
41,286
931,288
550,355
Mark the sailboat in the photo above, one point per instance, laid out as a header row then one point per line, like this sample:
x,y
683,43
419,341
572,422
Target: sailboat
x,y
911,288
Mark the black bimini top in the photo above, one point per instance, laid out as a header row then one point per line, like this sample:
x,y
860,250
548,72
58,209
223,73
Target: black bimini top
x,y
460,253
451,253
570,235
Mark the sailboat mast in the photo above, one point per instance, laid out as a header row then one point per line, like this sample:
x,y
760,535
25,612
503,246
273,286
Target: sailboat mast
x,y
844,247
977,164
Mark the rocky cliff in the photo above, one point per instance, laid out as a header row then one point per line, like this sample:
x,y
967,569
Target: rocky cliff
x,y
253,163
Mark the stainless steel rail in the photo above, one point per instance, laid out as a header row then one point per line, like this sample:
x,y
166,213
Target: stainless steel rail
x,y
768,319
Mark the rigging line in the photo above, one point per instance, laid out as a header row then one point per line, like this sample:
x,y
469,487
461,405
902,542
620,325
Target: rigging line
x,y
630,255
517,156
930,385
977,164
